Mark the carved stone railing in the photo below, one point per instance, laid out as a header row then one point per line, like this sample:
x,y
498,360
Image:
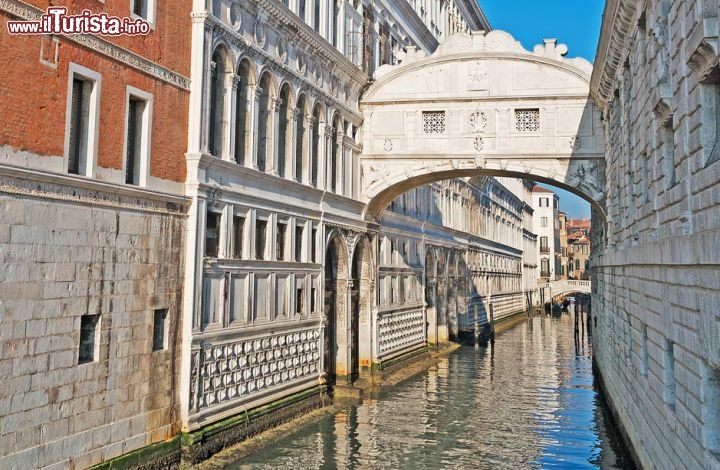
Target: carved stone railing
x,y
400,330
239,370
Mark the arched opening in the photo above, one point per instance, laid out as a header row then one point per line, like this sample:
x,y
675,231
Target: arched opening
x,y
218,74
264,132
452,293
431,296
442,303
284,141
242,123
300,137
361,302
336,339
315,149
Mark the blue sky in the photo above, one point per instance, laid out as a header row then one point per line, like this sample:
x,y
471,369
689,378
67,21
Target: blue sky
x,y
575,23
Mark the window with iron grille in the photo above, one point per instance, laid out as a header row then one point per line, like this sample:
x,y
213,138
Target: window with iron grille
x,y
433,122
527,120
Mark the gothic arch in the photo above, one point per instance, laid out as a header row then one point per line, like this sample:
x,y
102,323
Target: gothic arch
x,y
430,280
362,302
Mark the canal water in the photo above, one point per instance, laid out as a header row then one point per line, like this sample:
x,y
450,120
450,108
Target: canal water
x,y
526,402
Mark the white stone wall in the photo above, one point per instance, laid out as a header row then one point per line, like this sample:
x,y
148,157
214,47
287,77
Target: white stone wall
x,y
72,247
655,285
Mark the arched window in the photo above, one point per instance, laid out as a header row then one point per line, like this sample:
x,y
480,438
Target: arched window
x,y
217,100
315,145
300,137
283,139
242,123
264,134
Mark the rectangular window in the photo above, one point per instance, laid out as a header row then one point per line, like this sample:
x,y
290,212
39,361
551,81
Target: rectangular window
x,y
212,234
433,122
544,248
543,221
280,241
544,202
299,232
134,138
143,9
137,137
159,330
668,153
88,338
669,373
81,120
260,235
313,242
527,120
313,296
79,111
238,235
300,300
545,267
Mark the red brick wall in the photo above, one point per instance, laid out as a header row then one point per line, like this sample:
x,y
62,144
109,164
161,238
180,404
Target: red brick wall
x,y
33,96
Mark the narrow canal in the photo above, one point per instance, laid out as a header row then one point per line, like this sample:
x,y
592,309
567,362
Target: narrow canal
x,y
527,402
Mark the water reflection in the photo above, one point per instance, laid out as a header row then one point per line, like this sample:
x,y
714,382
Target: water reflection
x,y
526,402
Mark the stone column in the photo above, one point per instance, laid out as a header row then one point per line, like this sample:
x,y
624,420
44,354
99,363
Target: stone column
x,y
291,142
330,165
273,135
231,101
340,161
307,149
320,160
250,140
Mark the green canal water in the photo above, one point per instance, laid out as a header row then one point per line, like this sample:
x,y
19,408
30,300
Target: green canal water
x,y
527,402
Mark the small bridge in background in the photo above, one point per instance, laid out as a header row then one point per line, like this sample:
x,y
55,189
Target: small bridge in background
x,y
554,288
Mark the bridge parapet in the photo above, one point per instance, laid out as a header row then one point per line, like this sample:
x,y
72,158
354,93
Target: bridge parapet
x,y
566,286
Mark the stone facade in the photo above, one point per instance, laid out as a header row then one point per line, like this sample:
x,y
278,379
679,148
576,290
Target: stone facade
x,y
91,239
76,249
655,264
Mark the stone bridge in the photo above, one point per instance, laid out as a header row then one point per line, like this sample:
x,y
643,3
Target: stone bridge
x,y
566,287
482,104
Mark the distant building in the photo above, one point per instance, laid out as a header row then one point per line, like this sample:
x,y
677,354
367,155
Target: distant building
x,y
578,248
562,225
545,225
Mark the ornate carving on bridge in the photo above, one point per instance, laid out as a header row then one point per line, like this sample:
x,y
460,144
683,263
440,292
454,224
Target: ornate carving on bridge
x,y
575,142
590,179
478,121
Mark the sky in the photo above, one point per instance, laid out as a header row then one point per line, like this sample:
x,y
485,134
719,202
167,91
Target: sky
x,y
575,23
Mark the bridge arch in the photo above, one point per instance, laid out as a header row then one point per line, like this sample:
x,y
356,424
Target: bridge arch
x,y
482,105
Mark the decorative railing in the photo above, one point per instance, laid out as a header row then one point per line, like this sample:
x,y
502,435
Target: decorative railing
x,y
568,285
400,330
238,370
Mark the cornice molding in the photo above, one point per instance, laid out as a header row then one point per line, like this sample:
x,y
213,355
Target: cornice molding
x,y
103,47
619,17
80,190
287,22
233,37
